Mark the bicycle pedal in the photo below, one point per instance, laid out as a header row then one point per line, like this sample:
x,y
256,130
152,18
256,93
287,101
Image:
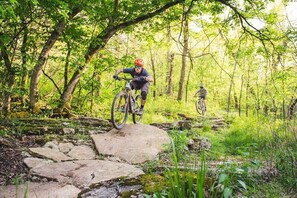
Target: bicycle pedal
x,y
140,112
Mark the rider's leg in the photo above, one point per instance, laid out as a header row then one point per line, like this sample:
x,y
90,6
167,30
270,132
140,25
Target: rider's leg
x,y
143,99
144,92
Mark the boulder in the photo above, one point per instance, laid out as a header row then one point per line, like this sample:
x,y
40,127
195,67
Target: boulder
x,y
135,143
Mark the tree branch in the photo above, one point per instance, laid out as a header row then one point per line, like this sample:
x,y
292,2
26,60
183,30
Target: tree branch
x,y
57,87
107,33
243,20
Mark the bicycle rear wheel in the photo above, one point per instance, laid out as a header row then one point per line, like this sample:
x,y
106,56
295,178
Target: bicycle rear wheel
x,y
136,116
119,110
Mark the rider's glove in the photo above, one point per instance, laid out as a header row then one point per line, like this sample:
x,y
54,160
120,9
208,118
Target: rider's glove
x,y
142,78
115,77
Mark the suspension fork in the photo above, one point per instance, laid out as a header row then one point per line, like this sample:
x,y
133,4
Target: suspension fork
x,y
129,101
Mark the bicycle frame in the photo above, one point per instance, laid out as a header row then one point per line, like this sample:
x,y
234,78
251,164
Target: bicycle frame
x,y
131,99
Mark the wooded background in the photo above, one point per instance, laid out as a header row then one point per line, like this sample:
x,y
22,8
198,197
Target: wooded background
x,y
62,54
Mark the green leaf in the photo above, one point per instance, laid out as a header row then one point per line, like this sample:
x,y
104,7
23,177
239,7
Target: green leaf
x,y
222,178
256,162
227,192
242,184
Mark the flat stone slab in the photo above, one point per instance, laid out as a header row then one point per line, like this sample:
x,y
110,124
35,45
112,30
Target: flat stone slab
x,y
135,143
64,152
38,190
50,154
83,173
82,153
33,162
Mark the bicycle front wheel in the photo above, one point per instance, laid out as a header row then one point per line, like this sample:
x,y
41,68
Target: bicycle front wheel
x,y
203,108
198,106
137,117
119,110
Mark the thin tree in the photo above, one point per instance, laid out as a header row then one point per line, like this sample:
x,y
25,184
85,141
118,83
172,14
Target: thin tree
x,y
170,59
185,25
154,71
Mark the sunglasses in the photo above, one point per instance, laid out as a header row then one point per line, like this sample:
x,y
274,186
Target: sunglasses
x,y
138,67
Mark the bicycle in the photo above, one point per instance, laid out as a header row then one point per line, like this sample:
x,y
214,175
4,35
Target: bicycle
x,y
200,106
125,102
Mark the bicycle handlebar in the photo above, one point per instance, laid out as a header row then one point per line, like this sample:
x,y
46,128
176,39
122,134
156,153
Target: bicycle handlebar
x,y
124,78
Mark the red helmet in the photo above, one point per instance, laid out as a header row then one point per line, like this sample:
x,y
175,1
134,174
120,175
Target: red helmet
x,y
138,62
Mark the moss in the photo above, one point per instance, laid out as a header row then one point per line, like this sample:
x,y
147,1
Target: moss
x,y
126,194
131,182
152,183
22,114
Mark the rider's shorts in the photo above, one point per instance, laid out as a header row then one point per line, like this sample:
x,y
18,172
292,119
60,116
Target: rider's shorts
x,y
140,85
203,97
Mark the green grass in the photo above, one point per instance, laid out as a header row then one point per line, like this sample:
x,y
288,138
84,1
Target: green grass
x,y
184,184
269,190
3,133
218,149
256,143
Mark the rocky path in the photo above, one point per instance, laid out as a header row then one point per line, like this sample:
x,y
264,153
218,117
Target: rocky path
x,y
68,169
62,168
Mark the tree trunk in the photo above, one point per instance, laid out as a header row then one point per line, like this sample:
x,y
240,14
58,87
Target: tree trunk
x,y
10,81
170,58
37,71
291,108
67,64
247,91
92,91
235,97
188,79
23,80
240,96
184,60
154,72
230,88
170,74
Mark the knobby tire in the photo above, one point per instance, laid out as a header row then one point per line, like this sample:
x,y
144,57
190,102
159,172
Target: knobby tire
x,y
200,107
119,110
136,117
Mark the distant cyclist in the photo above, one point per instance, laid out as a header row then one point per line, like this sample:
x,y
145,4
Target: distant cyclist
x,y
202,93
141,80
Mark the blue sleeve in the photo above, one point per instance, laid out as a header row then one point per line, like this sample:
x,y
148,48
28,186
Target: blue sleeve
x,y
145,73
128,70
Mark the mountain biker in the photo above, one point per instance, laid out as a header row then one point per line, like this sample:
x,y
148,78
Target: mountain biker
x,y
202,92
141,80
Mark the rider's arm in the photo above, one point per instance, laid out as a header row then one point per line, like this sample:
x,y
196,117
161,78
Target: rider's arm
x,y
118,71
149,79
197,92
143,79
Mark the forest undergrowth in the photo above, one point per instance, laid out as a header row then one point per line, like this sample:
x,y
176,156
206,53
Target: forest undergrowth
x,y
257,157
